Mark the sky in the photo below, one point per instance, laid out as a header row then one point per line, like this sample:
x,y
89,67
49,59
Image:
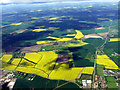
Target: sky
x,y
28,1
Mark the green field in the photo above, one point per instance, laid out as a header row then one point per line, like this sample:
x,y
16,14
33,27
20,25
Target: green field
x,y
111,82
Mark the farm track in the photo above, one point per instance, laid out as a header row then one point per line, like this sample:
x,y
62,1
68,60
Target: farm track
x,y
80,73
61,85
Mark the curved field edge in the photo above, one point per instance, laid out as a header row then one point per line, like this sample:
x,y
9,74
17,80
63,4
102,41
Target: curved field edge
x,y
46,67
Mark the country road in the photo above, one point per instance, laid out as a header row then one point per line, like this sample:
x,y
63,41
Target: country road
x,y
96,55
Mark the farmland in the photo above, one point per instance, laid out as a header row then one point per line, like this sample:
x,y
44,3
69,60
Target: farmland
x,y
44,64
61,45
114,39
105,60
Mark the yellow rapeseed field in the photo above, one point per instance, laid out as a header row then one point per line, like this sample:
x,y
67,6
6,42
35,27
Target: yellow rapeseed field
x,y
53,18
88,70
64,39
81,43
39,30
34,57
44,42
25,63
110,67
9,67
47,62
52,37
32,71
70,35
16,23
71,56
6,57
78,35
16,61
71,59
6,66
62,72
106,61
60,39
114,39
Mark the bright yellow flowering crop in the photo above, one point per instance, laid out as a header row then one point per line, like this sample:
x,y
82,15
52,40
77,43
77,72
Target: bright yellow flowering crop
x,y
34,57
70,35
32,71
106,61
81,43
78,35
16,61
63,72
25,63
114,39
16,23
65,39
54,18
6,57
39,30
44,42
88,70
47,61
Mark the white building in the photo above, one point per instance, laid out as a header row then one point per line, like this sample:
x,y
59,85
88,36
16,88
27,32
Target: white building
x,y
84,82
10,85
89,81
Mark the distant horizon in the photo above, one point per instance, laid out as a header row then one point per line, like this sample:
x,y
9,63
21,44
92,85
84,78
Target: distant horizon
x,y
48,1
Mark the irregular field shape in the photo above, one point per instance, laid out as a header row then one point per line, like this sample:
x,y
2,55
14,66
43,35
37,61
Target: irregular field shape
x,y
32,71
16,61
88,70
78,35
105,60
64,73
34,57
77,45
6,57
25,63
47,62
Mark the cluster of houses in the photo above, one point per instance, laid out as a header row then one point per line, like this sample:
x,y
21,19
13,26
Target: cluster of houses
x,y
7,78
86,83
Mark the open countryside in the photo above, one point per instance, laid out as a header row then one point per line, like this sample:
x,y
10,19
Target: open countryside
x,y
60,45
